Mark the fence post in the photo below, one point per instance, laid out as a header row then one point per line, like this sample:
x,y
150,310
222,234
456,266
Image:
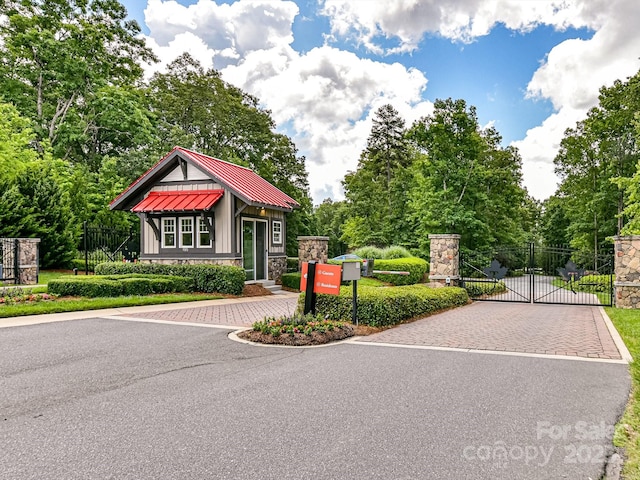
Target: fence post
x,y
86,251
16,261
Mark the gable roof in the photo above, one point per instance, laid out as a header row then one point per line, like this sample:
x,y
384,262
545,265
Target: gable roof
x,y
241,181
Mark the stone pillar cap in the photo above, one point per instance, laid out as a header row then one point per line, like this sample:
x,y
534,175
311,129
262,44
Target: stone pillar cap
x,y
444,235
312,237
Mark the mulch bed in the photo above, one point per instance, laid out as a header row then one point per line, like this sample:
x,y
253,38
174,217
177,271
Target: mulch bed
x,y
299,339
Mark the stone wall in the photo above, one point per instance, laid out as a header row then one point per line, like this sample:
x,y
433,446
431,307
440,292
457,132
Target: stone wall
x,y
627,265
277,267
444,260
313,248
28,259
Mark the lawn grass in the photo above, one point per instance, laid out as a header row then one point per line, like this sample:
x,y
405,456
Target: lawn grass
x,y
627,433
79,304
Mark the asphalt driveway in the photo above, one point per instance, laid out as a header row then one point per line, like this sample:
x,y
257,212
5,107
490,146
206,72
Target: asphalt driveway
x,y
106,398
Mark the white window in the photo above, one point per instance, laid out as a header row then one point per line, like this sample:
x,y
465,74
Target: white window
x,y
186,232
168,232
204,236
276,232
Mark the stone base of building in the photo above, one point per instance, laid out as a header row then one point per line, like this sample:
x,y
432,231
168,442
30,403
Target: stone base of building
x,y
236,262
277,267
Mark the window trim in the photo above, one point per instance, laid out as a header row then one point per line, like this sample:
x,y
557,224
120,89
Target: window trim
x,y
182,245
164,232
273,232
178,231
202,223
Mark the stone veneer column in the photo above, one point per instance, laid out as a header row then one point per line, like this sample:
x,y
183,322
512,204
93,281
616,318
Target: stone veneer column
x,y
444,258
313,248
627,270
28,258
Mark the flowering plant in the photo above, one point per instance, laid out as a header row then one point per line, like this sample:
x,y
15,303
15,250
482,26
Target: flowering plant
x,y
297,323
11,296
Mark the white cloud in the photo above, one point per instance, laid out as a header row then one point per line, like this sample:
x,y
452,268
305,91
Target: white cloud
x,y
571,78
328,97
370,21
230,31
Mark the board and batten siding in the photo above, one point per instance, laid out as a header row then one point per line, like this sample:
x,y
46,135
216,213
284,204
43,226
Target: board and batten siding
x,y
151,245
193,173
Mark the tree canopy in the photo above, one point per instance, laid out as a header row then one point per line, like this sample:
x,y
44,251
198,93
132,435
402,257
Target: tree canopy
x,y
79,123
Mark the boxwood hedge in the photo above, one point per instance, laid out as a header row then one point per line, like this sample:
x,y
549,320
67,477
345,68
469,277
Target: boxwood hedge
x,y
117,285
416,267
380,306
291,280
208,278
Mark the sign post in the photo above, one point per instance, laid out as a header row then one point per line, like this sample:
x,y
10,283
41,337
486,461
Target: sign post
x,y
306,283
318,278
351,271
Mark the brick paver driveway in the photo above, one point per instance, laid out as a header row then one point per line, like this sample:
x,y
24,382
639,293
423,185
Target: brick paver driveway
x,y
239,313
508,327
568,330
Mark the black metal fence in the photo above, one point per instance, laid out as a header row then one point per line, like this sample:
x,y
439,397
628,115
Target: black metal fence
x,y
539,274
106,244
9,262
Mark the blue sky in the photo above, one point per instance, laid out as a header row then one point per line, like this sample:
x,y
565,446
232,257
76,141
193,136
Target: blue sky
x,y
322,67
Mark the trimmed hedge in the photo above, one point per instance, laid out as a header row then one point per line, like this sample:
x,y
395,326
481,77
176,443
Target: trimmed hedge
x,y
207,278
380,306
291,280
417,267
292,264
118,285
478,289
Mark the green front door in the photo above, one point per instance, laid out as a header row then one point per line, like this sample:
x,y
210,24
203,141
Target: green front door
x,y
254,249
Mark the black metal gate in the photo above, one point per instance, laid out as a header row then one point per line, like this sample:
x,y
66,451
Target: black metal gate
x,y
9,266
539,274
106,244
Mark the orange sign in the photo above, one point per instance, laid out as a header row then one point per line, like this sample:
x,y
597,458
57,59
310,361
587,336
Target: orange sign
x,y
327,278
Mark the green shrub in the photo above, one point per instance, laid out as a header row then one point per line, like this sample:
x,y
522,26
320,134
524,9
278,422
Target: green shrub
x,y
208,278
296,323
291,280
395,251
117,285
416,267
369,252
292,264
389,305
593,284
478,289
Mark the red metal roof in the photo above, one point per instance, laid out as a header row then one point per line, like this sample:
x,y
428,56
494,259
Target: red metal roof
x,y
179,201
243,181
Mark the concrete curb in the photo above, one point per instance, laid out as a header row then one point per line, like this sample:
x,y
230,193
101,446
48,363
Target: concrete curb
x,y
617,339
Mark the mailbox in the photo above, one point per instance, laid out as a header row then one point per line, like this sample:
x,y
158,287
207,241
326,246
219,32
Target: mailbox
x,y
367,267
350,271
